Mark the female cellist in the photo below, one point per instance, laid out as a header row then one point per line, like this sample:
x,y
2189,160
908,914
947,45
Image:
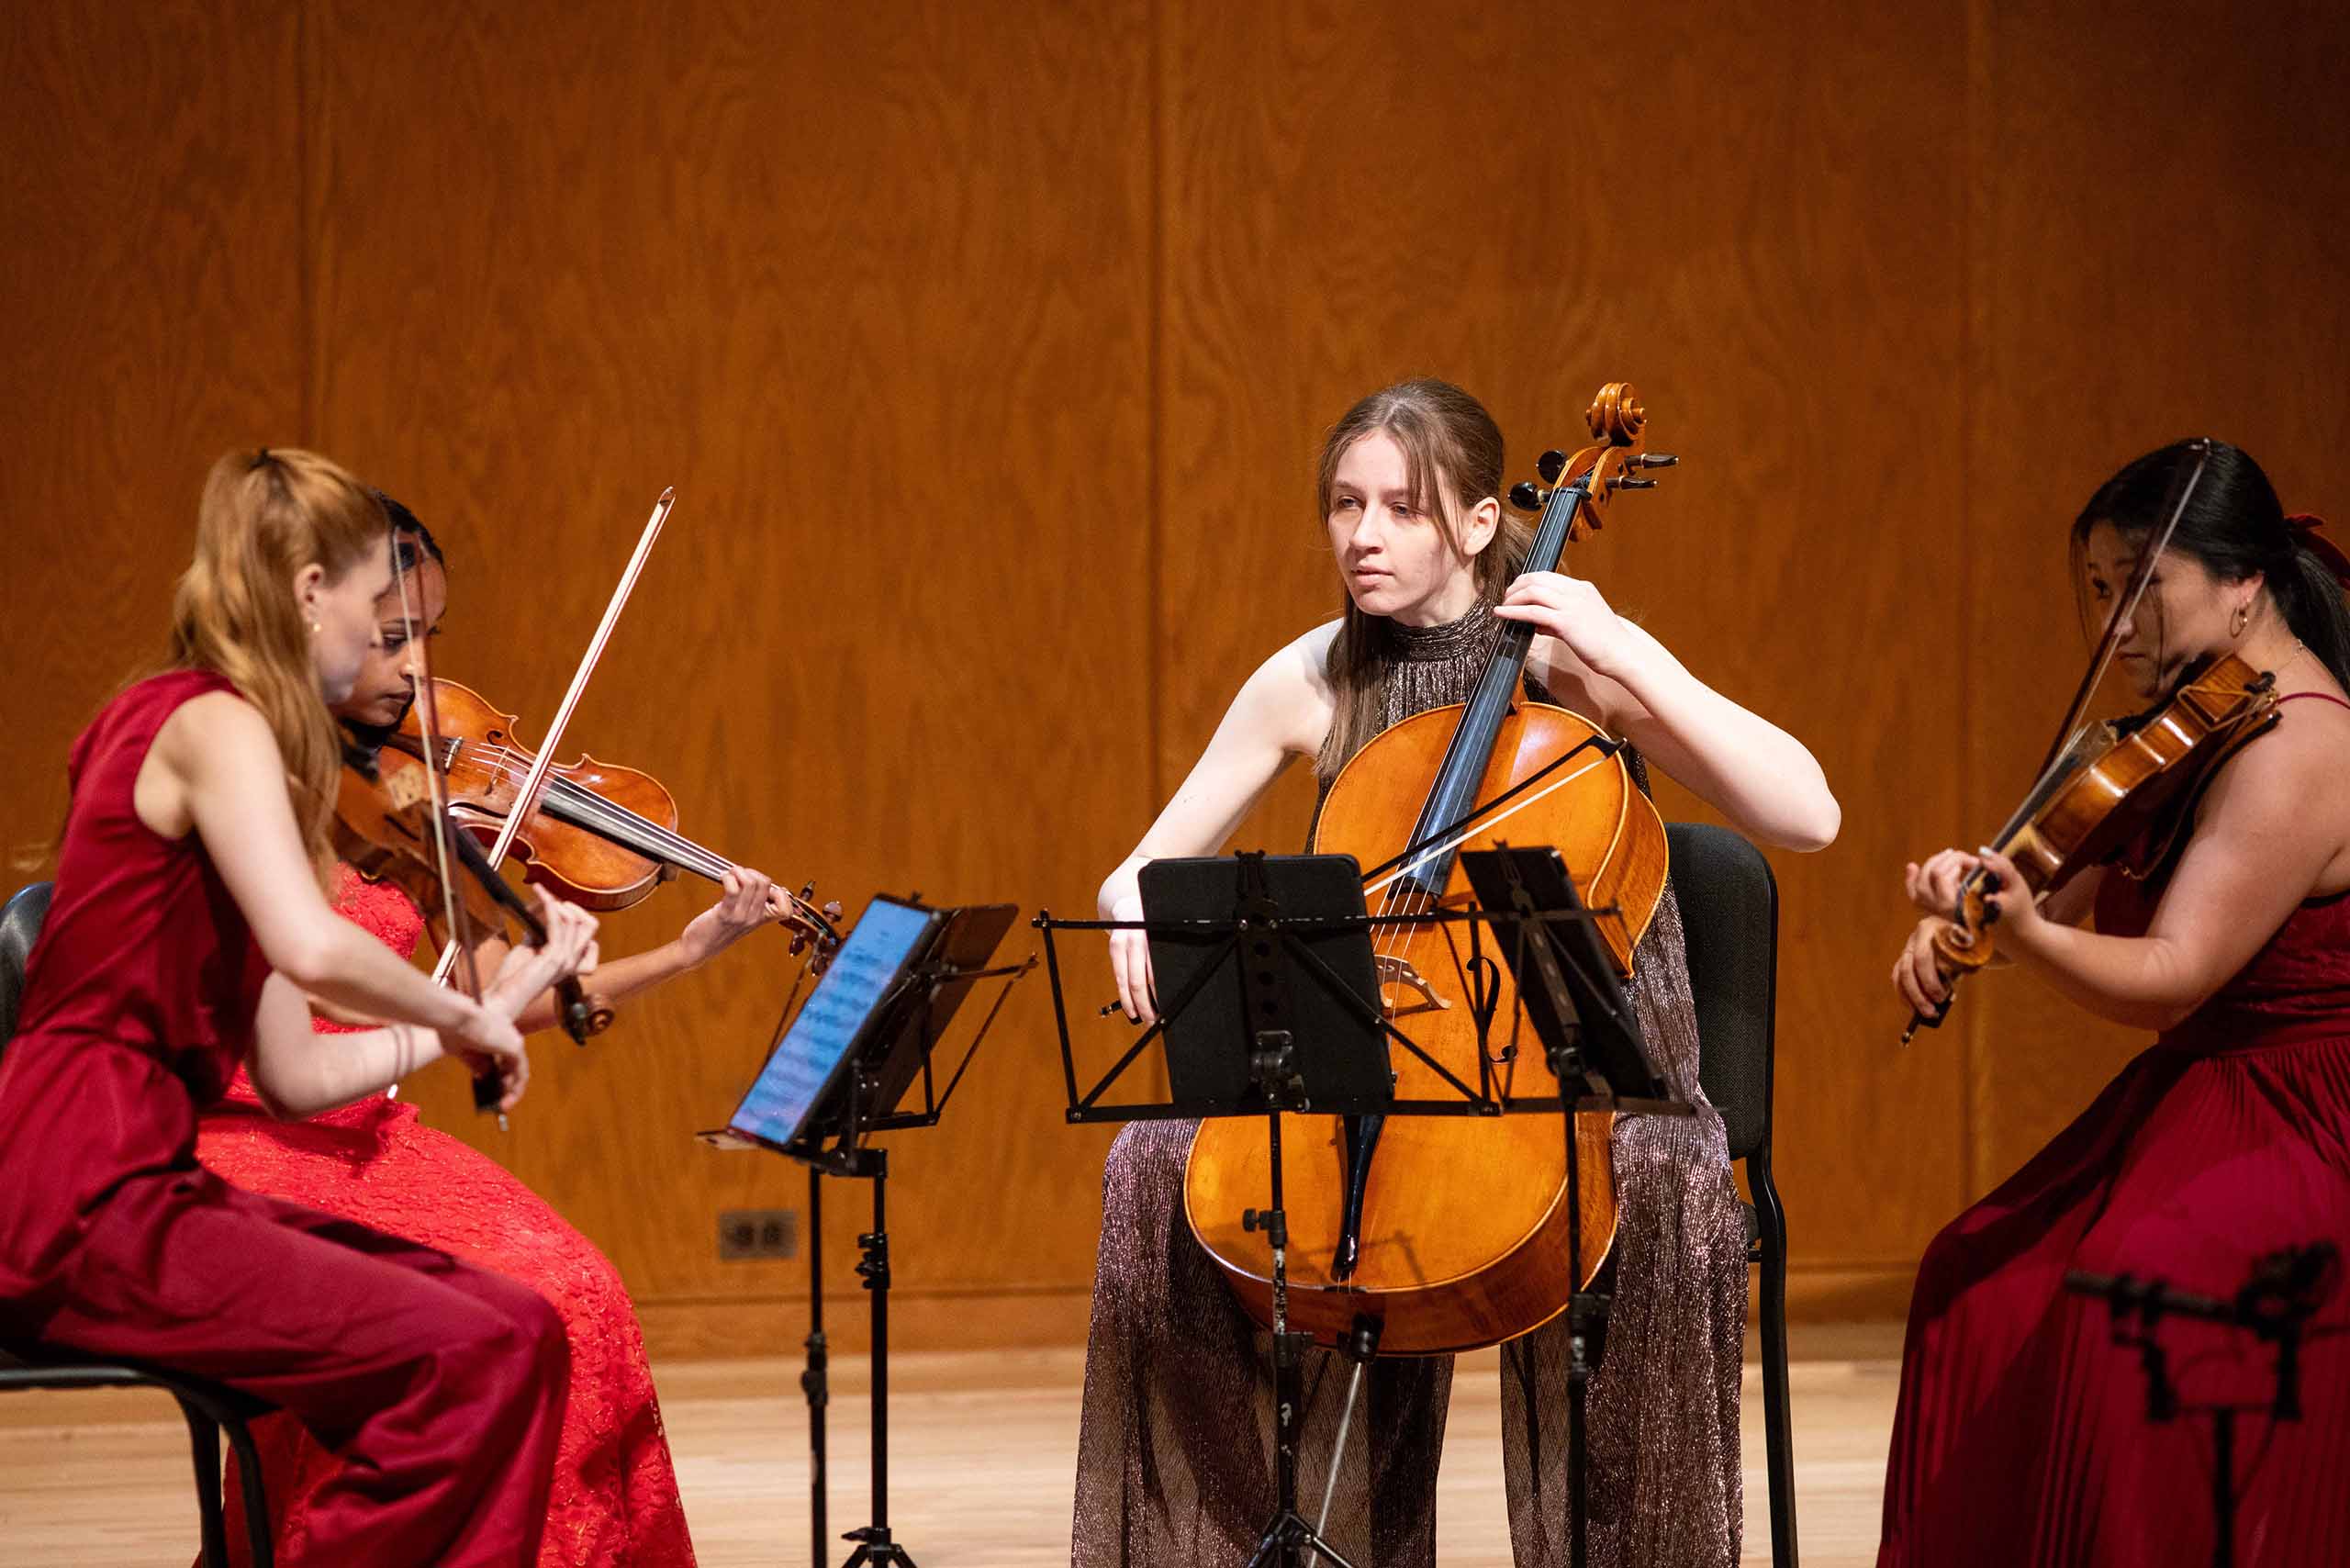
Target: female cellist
x,y
614,1499
2022,1432
1171,1466
187,924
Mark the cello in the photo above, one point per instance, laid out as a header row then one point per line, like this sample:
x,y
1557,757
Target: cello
x,y
1451,1231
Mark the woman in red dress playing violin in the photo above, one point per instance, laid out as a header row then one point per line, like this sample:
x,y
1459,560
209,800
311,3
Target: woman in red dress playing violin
x,y
614,1497
187,927
2022,1434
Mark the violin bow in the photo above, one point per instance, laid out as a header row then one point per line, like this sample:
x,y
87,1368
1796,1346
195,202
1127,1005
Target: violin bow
x,y
456,920
535,780
2140,576
2142,573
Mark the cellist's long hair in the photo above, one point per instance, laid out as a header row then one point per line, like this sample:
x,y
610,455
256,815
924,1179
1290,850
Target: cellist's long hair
x,y
2236,528
1453,459
266,515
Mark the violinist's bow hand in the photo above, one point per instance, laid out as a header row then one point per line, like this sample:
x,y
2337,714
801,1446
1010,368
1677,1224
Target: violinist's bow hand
x,y
1919,980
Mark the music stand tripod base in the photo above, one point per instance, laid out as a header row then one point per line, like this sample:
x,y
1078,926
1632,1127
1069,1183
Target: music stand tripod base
x,y
899,1024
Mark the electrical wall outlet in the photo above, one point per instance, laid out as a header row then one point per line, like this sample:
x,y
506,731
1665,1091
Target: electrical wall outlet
x,y
758,1233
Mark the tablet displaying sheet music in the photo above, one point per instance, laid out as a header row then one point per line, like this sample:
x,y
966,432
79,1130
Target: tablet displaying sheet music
x,y
838,1017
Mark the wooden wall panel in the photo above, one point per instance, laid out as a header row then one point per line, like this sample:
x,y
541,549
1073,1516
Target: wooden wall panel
x,y
991,363
880,312
1772,256
150,311
2154,256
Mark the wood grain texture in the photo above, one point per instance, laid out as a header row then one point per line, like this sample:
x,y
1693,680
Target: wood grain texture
x,y
990,362
880,314
1773,257
151,309
100,1479
2152,257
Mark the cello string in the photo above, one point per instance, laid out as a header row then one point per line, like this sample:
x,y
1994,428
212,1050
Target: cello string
x,y
1455,841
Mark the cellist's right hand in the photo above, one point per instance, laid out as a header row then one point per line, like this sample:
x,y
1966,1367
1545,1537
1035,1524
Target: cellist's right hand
x,y
1130,961
1917,975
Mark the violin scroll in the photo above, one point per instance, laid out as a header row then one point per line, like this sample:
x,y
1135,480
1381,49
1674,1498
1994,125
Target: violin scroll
x,y
812,928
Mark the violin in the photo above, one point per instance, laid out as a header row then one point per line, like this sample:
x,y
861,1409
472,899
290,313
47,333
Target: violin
x,y
382,831
598,835
1454,1231
2120,791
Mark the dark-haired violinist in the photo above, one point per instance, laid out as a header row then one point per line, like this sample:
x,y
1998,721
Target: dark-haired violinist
x,y
2022,1433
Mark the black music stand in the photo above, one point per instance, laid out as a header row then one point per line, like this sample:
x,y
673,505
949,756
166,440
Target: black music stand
x,y
1276,947
1591,1039
884,1029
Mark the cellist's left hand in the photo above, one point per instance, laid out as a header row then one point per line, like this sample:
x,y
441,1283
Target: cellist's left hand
x,y
1571,610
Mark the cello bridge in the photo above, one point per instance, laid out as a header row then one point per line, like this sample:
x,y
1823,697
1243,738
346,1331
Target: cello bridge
x,y
1397,970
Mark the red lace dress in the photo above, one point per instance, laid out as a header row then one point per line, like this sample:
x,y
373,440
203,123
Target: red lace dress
x,y
2021,1435
615,1495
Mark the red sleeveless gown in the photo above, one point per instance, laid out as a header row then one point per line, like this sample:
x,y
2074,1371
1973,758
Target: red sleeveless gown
x,y
614,1499
2023,1435
441,1384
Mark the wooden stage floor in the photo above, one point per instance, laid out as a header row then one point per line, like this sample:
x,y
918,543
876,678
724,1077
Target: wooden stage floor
x,y
981,1446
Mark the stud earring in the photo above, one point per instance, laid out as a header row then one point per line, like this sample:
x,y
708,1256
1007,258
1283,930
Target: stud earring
x,y
2235,627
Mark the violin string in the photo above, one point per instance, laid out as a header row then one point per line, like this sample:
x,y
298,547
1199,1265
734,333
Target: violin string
x,y
617,820
687,853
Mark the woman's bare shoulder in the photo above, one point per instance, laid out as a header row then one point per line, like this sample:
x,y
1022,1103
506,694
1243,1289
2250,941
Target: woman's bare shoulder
x,y
2289,774
1306,658
199,727
1290,692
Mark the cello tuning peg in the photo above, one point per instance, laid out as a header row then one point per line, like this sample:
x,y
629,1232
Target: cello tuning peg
x,y
1635,484
1658,460
1524,497
1551,465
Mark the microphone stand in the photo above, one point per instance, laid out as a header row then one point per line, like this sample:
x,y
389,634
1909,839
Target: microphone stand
x,y
2284,1292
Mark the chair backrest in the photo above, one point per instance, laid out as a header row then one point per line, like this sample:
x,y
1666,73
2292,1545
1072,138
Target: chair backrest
x,y
19,924
1730,907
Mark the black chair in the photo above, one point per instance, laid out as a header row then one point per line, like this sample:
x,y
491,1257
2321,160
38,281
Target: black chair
x,y
1729,906
209,1409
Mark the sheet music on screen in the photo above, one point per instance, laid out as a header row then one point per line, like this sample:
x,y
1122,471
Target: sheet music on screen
x,y
829,1022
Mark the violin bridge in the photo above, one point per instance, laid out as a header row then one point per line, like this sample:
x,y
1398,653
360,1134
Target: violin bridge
x,y
405,789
